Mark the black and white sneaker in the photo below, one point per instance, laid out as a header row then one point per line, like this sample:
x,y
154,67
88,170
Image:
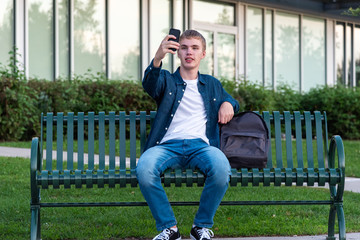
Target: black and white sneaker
x,y
198,233
168,234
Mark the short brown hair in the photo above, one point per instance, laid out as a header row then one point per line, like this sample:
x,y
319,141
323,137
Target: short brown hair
x,y
193,34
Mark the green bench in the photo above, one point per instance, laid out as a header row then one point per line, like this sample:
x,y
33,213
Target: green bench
x,y
117,168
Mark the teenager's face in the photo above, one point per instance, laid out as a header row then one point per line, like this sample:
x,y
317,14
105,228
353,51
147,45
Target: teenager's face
x,y
190,53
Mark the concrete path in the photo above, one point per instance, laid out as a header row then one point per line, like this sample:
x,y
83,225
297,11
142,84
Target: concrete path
x,y
349,236
351,184
25,153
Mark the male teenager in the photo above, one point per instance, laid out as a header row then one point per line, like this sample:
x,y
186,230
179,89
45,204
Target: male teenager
x,y
185,133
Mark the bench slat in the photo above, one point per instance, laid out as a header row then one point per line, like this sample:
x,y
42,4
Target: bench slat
x,y
80,136
142,130
70,141
266,116
122,140
112,140
278,145
101,140
59,141
309,143
49,140
91,141
288,138
299,146
319,139
132,140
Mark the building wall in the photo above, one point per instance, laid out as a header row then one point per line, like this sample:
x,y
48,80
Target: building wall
x,y
268,42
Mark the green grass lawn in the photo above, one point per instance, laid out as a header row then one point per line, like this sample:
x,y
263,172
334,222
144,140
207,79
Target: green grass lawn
x,y
137,222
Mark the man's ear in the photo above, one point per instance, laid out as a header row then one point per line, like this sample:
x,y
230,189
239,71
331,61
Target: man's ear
x,y
203,54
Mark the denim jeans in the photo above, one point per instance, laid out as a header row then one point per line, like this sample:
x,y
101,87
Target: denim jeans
x,y
188,153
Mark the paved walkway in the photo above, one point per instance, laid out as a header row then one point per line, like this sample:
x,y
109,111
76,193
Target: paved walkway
x,y
349,236
351,184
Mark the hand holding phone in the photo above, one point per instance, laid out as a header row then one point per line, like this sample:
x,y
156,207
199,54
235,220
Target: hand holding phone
x,y
164,47
176,33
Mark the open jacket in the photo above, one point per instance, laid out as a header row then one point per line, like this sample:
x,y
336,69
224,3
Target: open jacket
x,y
167,89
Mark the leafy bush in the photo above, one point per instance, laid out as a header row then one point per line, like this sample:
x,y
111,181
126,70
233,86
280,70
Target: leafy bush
x,y
286,99
91,93
22,100
18,114
253,97
342,106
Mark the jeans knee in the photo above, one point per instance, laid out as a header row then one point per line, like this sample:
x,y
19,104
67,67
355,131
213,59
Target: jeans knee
x,y
220,171
221,175
145,174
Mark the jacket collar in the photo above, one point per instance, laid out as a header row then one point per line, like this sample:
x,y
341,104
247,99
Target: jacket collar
x,y
179,79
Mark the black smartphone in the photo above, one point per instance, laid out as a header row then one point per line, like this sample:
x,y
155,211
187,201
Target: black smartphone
x,y
176,33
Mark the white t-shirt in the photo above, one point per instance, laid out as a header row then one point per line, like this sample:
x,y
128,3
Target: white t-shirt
x,y
189,121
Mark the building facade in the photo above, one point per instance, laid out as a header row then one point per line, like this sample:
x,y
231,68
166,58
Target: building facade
x,y
303,44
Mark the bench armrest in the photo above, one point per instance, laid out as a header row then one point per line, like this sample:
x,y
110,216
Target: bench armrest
x,y
35,165
336,145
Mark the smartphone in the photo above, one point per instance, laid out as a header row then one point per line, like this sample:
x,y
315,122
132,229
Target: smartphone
x,y
176,33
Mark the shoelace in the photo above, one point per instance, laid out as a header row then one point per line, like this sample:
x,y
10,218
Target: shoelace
x,y
205,233
164,235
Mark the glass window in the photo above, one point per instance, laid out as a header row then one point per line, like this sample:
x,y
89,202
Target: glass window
x,y
124,39
287,49
179,15
40,39
179,24
269,48
349,55
357,55
63,23
6,30
219,13
313,52
89,36
207,63
254,31
159,28
339,53
226,55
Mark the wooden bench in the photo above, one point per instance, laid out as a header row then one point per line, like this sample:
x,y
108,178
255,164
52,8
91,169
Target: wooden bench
x,y
118,168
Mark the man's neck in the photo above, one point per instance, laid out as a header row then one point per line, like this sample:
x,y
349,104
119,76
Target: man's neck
x,y
189,74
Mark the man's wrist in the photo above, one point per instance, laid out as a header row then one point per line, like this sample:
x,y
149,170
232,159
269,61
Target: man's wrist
x,y
157,63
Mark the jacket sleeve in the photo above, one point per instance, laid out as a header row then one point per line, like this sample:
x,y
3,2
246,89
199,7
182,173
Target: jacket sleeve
x,y
154,81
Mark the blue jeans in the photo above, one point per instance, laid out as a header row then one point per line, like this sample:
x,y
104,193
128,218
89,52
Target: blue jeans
x,y
188,153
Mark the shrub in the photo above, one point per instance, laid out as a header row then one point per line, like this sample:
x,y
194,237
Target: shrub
x,y
22,100
84,95
253,97
342,106
18,114
286,99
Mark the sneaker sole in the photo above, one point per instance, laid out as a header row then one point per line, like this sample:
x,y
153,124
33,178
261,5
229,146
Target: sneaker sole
x,y
192,237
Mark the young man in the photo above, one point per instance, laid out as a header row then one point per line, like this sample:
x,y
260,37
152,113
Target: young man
x,y
185,134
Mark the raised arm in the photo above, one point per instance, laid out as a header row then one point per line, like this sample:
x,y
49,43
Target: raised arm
x,y
164,48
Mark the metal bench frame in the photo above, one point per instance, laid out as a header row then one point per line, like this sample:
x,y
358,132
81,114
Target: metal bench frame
x,y
278,172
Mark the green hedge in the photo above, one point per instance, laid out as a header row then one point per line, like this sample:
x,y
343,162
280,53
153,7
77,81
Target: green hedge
x,y
341,104
22,101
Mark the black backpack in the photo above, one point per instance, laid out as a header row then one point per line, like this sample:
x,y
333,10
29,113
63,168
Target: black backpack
x,y
245,141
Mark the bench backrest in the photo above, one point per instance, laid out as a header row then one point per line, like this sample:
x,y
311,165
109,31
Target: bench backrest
x,y
299,140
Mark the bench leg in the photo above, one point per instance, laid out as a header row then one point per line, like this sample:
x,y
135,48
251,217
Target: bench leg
x,y
35,223
336,209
